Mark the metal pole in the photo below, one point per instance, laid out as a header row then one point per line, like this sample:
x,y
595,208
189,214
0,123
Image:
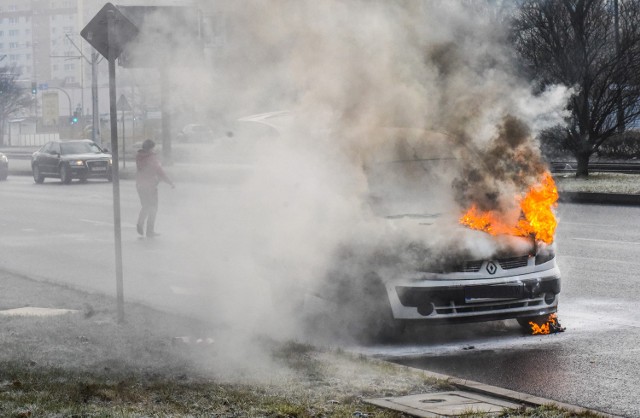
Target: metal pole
x,y
124,156
166,117
95,134
619,88
115,165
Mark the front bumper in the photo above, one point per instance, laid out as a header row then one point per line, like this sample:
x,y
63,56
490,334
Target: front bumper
x,y
485,299
91,169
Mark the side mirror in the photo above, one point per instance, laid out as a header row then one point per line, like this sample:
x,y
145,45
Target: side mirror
x,y
106,150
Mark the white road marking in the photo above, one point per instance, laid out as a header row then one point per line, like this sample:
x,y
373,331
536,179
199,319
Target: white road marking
x,y
601,260
606,240
585,224
91,221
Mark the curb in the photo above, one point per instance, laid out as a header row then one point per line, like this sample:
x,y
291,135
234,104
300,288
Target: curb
x,y
600,198
505,394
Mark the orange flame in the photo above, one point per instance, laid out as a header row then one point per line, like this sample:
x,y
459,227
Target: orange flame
x,y
552,325
538,218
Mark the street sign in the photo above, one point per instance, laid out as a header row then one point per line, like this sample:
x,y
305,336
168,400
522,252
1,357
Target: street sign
x,y
123,104
97,32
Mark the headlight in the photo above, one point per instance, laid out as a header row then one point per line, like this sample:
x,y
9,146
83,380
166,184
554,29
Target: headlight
x,y
545,253
4,159
77,163
110,162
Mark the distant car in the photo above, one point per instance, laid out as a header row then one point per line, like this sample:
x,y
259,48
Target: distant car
x,y
66,160
196,133
4,166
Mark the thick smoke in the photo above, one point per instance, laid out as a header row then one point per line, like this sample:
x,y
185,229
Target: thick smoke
x,y
368,85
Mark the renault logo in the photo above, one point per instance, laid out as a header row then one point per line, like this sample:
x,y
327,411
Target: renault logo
x,y
491,267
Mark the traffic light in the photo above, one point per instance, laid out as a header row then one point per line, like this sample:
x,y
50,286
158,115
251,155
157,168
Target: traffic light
x,y
34,87
73,119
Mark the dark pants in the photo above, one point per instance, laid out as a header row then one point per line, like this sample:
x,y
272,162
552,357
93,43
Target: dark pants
x,y
149,202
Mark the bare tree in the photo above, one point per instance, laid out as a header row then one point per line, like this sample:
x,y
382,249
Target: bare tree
x,y
592,46
13,98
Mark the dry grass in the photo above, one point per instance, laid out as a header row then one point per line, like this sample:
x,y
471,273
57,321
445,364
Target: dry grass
x,y
87,365
600,183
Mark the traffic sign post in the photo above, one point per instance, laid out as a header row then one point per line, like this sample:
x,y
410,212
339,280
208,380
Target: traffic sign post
x,y
109,32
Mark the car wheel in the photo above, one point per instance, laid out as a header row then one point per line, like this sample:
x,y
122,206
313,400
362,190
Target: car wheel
x,y
37,175
109,177
65,174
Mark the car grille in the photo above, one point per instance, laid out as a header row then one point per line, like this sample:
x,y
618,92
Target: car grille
x,y
469,266
98,163
513,262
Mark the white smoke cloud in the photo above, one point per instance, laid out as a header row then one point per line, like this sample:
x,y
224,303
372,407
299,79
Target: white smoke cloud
x,y
347,71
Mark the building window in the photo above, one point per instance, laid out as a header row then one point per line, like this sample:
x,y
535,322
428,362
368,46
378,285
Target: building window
x,y
13,45
70,80
13,20
14,32
68,29
13,57
1,33
69,67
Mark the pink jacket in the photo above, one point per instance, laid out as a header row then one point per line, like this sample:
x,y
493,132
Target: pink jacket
x,y
149,171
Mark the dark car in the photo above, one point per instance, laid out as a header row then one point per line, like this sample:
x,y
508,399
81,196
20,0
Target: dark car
x,y
4,166
66,160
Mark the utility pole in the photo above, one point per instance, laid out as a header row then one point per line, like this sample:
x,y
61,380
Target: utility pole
x,y
618,87
95,132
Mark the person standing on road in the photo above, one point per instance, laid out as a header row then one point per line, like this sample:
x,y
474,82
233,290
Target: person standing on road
x,y
148,175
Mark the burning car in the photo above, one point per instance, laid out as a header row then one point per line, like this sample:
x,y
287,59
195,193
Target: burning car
x,y
443,266
429,262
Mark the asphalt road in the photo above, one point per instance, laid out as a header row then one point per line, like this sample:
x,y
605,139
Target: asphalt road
x,y
595,363
64,234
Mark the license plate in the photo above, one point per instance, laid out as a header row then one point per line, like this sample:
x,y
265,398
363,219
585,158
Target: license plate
x,y
480,293
98,168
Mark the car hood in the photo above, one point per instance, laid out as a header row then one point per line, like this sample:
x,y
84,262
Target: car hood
x,y
88,156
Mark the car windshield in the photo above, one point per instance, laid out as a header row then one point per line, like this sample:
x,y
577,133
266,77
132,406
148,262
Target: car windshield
x,y
417,181
79,148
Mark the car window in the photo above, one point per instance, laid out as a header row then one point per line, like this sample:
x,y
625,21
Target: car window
x,y
55,148
416,181
79,148
46,147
